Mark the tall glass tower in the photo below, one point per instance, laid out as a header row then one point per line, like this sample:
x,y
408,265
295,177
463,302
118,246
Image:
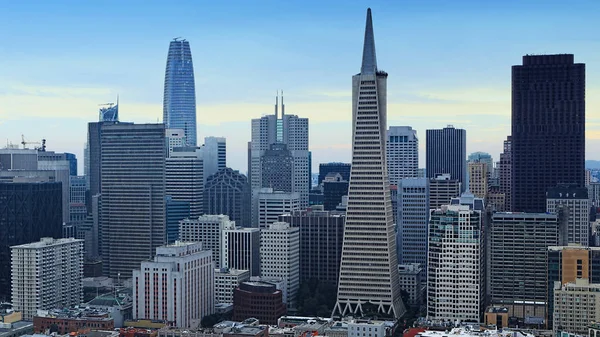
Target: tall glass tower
x,y
179,103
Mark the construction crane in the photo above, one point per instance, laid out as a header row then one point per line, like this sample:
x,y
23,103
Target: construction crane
x,y
24,142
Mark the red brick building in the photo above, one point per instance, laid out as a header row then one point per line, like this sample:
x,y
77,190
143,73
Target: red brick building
x,y
259,300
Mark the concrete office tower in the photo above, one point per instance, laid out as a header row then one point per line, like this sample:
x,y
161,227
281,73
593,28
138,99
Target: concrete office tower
x,y
369,266
280,256
214,155
518,246
446,152
228,192
441,190
290,130
240,249
18,159
176,286
272,204
482,157
504,174
341,168
184,181
94,150
457,248
179,101
413,220
209,230
29,211
576,304
77,191
402,151
175,138
548,128
133,195
46,274
567,264
478,178
321,237
226,280
576,200
594,193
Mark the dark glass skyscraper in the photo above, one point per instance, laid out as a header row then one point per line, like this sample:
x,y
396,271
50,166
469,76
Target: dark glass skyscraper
x,y
179,103
548,128
446,152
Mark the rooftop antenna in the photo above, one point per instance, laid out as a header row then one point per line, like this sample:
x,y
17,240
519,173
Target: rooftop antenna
x,y
277,104
282,105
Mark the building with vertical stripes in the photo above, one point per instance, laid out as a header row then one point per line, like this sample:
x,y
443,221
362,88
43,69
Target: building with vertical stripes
x,y
446,152
207,229
133,195
177,286
184,179
548,128
413,220
402,151
240,249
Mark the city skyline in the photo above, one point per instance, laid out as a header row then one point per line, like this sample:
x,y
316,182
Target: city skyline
x,y
446,69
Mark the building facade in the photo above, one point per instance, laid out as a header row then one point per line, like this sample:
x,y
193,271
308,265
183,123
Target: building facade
x,y
321,238
179,100
478,179
177,286
272,204
334,188
260,300
226,280
456,264
412,280
576,200
369,265
133,195
442,189
413,220
402,151
566,264
77,192
184,179
280,256
518,247
240,249
228,192
23,207
214,155
341,168
209,230
505,175
576,305
46,274
548,128
446,153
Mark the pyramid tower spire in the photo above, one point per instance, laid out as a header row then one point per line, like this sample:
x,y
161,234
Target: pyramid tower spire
x,y
369,59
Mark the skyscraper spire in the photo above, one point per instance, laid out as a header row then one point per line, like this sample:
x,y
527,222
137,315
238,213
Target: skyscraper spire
x,y
369,60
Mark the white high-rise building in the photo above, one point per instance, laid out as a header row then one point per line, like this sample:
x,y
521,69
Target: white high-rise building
x,y
207,229
226,280
184,174
413,219
456,261
174,138
402,151
46,275
280,256
369,264
177,286
214,155
576,200
272,204
290,130
240,249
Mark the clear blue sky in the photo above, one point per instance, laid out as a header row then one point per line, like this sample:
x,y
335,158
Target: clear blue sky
x,y
449,63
